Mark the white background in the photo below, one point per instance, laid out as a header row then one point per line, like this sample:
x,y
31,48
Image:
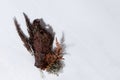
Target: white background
x,y
92,32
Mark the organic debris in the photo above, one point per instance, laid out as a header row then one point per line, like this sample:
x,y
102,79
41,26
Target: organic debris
x,y
40,44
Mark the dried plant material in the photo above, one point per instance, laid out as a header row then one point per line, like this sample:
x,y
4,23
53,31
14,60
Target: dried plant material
x,y
40,44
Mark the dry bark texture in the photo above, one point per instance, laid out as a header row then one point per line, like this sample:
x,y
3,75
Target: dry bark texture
x,y
40,44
